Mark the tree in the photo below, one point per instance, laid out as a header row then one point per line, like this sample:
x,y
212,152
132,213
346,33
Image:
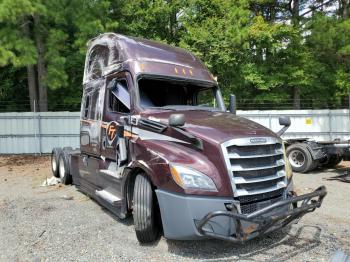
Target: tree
x,y
271,53
158,19
16,45
42,34
216,31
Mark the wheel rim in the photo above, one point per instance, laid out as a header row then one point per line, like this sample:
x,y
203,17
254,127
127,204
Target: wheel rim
x,y
296,158
53,163
62,169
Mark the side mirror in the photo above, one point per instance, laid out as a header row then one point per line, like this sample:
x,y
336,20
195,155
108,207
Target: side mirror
x,y
233,104
121,152
285,122
177,120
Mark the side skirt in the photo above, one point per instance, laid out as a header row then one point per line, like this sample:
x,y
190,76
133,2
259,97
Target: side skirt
x,y
117,206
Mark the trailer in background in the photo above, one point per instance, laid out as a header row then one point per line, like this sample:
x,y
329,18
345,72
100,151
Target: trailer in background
x,y
305,155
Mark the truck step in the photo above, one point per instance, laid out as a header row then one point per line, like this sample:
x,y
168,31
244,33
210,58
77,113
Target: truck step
x,y
110,198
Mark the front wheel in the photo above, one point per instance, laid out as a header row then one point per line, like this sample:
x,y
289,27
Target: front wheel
x,y
144,210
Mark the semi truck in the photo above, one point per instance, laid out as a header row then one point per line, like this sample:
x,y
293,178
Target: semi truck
x,y
157,143
305,154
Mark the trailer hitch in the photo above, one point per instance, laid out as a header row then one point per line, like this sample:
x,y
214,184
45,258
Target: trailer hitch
x,y
260,221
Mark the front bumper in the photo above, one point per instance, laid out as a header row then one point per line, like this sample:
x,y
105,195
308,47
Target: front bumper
x,y
194,217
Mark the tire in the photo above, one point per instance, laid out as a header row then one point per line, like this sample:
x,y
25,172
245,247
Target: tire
x,y
144,210
300,158
332,161
64,168
56,152
315,164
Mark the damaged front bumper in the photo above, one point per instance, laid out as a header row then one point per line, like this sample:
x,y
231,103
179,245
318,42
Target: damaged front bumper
x,y
261,221
186,217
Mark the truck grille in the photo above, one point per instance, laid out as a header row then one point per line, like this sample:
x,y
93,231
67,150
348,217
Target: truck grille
x,y
252,207
257,170
261,197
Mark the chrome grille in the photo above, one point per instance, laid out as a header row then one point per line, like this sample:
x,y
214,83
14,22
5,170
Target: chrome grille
x,y
257,169
254,150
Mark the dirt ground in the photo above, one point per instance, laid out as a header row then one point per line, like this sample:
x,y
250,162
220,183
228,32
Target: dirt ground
x,y
58,223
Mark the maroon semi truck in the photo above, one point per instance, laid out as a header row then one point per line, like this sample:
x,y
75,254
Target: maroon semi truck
x,y
157,142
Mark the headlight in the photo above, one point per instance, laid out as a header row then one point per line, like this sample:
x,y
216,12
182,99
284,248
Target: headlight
x,y
189,178
289,171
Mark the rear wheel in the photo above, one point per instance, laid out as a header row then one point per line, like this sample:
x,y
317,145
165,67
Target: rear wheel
x,y
56,152
144,210
64,169
300,158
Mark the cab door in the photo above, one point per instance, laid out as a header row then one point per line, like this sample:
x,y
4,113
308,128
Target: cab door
x,y
116,114
114,146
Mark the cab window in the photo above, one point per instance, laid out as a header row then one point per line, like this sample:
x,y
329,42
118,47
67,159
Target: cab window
x,y
86,107
206,97
119,97
95,110
98,60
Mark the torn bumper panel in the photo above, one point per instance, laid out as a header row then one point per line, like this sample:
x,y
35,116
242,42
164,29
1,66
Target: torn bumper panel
x,y
194,217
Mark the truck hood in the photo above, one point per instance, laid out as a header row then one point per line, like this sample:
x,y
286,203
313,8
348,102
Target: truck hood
x,y
214,127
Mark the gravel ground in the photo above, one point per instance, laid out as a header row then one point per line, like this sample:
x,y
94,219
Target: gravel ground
x,y
58,223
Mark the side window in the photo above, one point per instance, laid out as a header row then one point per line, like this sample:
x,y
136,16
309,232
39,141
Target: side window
x,y
86,107
98,60
119,97
205,98
94,111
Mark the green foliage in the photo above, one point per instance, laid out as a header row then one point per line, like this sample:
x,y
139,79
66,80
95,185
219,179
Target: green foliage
x,y
91,19
216,31
16,49
259,50
330,53
13,91
56,62
156,19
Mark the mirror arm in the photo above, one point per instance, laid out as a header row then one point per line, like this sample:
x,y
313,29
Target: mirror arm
x,y
282,130
194,140
233,103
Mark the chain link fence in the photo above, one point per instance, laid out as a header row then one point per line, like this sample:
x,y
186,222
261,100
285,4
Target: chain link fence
x,y
73,104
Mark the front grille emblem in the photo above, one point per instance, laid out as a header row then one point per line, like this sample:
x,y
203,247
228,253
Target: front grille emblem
x,y
258,140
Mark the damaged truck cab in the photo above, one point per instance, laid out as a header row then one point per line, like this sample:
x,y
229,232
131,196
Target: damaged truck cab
x,y
157,142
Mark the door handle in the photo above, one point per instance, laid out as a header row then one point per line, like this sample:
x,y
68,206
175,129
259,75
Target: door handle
x,y
104,142
85,161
